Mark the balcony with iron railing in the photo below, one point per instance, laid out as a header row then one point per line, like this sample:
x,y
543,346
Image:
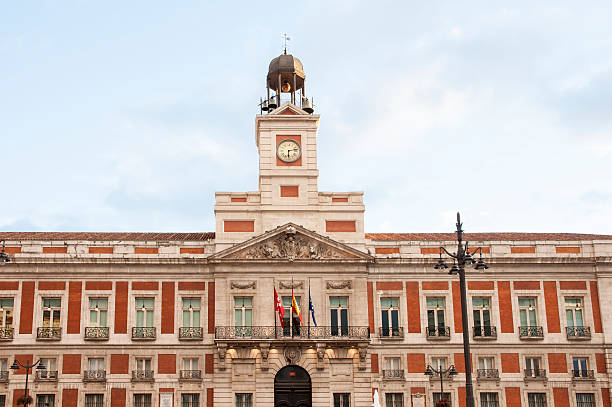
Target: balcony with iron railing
x,y
46,375
142,375
49,333
391,332
94,376
579,374
188,333
435,332
488,374
393,374
143,334
484,332
531,332
4,376
296,333
96,333
535,374
190,375
6,334
578,333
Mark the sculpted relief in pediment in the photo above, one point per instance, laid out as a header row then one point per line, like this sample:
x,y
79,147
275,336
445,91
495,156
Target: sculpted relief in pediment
x,y
291,245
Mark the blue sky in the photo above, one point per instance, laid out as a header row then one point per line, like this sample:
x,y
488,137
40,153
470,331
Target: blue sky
x,y
127,116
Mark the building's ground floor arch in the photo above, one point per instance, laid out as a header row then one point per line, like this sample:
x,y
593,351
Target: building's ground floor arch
x,y
292,387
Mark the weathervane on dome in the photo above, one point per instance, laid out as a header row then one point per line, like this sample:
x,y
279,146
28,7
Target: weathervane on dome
x,y
286,39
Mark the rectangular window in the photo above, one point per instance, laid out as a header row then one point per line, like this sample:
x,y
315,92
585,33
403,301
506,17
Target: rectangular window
x,y
142,400
580,367
338,307
489,400
486,363
574,317
3,365
527,313
143,365
51,312
390,316
190,400
342,399
190,364
6,313
95,363
244,400
191,312
585,400
94,400
2,400
394,399
441,396
439,363
243,315
145,308
45,400
50,371
481,310
533,366
435,317
536,399
98,311
290,320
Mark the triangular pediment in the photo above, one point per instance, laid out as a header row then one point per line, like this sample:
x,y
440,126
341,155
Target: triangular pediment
x,y
291,242
288,108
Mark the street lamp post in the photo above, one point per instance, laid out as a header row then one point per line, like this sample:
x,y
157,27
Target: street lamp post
x,y
461,257
15,366
430,371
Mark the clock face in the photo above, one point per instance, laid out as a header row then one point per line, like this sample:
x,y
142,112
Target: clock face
x,y
288,151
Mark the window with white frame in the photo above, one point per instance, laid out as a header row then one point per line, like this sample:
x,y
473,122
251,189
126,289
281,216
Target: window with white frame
x,y
244,399
6,313
191,312
2,400
243,315
533,367
95,363
439,362
94,400
389,316
436,325
536,399
143,364
481,311
3,365
338,308
585,400
528,312
50,371
142,400
394,399
342,399
437,397
574,316
145,309
489,400
190,400
52,310
98,312
580,367
45,400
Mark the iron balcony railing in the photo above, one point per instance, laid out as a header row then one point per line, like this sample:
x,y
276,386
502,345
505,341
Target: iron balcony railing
x,y
297,333
488,374
96,333
391,332
188,332
536,332
190,375
46,375
535,374
441,332
94,376
3,376
485,332
579,374
393,374
53,334
143,333
6,334
142,375
578,332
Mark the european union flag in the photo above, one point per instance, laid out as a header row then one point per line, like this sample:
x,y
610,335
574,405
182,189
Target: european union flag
x,y
311,308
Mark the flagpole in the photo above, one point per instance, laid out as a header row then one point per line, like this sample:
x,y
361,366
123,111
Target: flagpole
x,y
309,300
274,288
291,314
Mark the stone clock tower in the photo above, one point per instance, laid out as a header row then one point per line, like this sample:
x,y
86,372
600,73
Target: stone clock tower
x,y
286,138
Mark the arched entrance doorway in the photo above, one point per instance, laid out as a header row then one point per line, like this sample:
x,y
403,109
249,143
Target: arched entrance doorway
x,y
292,387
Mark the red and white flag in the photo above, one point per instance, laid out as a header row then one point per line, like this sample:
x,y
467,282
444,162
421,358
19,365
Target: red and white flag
x,y
278,306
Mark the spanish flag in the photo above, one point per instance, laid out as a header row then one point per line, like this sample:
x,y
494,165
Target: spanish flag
x,y
295,307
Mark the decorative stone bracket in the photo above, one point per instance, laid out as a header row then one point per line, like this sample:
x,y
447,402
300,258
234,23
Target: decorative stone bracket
x,y
363,353
222,350
264,348
320,356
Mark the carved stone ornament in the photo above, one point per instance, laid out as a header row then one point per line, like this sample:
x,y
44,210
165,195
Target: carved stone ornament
x,y
339,285
292,355
243,285
291,245
289,285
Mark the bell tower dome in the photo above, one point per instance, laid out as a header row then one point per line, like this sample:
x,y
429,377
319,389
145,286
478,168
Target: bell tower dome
x,y
286,76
